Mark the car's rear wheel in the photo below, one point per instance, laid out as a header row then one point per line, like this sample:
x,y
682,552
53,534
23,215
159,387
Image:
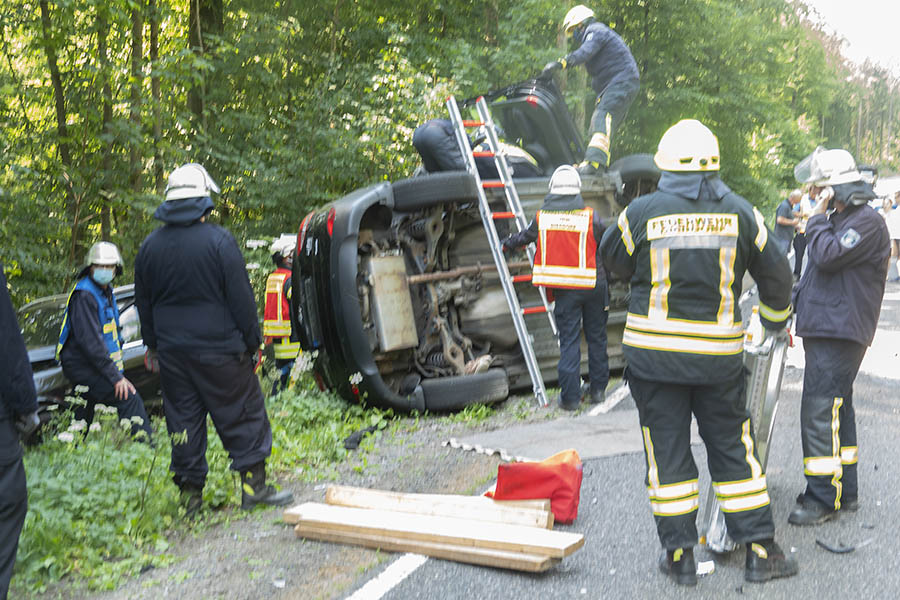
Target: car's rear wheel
x,y
417,193
455,393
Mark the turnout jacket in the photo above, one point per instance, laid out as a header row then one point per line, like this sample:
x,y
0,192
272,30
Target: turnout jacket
x,y
191,285
685,249
605,56
840,293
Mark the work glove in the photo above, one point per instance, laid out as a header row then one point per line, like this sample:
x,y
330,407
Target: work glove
x,y
151,360
550,69
26,424
505,245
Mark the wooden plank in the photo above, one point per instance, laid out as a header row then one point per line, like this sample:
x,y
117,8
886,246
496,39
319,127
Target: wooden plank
x,y
483,534
468,554
477,508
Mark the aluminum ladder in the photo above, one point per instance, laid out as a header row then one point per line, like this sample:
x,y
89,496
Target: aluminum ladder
x,y
488,218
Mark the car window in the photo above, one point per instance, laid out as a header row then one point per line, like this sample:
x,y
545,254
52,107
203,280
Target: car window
x,y
40,324
131,324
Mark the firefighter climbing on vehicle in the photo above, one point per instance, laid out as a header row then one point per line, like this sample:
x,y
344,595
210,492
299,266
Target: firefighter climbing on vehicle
x,y
614,76
277,313
566,262
685,249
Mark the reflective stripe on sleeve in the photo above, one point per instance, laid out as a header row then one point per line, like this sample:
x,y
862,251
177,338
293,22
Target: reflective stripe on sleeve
x,y
762,234
773,315
625,228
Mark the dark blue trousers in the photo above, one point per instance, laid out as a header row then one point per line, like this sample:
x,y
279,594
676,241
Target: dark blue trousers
x,y
13,500
612,107
224,387
101,391
574,308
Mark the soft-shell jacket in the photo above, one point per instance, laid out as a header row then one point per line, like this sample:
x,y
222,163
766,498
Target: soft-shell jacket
x,y
191,285
840,293
605,56
685,249
17,395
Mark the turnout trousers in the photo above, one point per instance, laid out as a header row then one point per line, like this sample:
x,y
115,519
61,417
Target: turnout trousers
x,y
13,501
610,111
572,308
738,479
224,387
828,420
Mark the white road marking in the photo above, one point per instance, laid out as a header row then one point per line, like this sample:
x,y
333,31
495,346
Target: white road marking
x,y
389,578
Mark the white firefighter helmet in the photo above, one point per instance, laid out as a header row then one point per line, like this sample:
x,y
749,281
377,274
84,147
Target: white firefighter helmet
x,y
688,145
565,181
105,254
190,181
284,245
576,16
827,167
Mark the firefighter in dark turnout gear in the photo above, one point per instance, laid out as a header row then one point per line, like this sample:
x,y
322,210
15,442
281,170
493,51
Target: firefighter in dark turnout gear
x,y
199,322
90,342
614,76
566,262
277,312
838,301
18,411
685,249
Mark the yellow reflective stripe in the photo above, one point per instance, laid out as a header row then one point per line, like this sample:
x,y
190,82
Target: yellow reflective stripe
x,y
762,235
742,503
652,470
822,465
836,449
109,327
567,271
276,328
563,62
659,292
671,343
739,488
684,327
600,141
625,228
725,315
673,491
675,507
117,355
849,455
287,349
774,315
756,470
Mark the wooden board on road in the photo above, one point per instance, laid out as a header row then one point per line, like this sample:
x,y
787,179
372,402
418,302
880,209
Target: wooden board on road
x,y
531,513
437,529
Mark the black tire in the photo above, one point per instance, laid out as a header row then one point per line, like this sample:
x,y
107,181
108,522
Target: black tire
x,y
639,176
417,193
456,393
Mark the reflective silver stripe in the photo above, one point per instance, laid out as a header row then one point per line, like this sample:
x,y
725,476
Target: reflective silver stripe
x,y
671,491
659,292
762,234
693,226
625,228
774,315
684,327
849,455
822,465
670,343
736,488
756,470
276,328
675,508
725,316
709,242
741,503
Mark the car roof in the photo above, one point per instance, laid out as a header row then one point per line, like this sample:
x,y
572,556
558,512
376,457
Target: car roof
x,y
122,292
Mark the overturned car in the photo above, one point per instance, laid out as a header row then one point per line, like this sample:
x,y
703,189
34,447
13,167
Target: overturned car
x,y
397,298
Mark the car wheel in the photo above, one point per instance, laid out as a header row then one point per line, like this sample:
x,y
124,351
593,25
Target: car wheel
x,y
437,188
639,176
455,393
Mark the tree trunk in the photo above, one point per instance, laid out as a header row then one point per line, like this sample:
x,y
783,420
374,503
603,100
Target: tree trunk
x,y
155,93
206,17
106,161
65,156
137,52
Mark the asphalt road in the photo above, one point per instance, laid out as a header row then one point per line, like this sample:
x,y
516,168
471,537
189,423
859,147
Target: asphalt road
x,y
621,548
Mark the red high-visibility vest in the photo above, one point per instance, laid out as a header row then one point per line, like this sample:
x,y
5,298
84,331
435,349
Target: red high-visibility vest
x,y
566,255
277,315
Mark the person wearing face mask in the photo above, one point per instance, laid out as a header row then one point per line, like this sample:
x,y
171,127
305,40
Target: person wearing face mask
x,y
90,346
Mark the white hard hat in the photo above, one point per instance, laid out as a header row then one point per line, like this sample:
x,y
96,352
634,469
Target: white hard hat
x,y
576,16
827,167
103,253
190,181
284,245
565,181
688,145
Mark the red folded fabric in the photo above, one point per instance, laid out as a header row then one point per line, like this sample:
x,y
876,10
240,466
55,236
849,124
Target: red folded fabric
x,y
557,478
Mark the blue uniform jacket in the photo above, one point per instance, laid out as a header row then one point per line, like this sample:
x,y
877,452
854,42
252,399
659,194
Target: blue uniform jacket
x,y
605,56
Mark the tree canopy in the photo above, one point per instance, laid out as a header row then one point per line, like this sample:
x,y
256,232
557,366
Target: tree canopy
x,y
291,103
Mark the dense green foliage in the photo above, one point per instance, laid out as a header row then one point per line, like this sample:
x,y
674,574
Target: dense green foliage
x,y
292,103
102,507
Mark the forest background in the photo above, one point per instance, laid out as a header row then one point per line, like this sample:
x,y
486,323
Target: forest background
x,y
292,103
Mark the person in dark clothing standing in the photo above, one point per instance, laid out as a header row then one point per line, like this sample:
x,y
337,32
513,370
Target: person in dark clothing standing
x,y
614,76
199,322
18,414
685,249
838,302
786,221
90,342
566,262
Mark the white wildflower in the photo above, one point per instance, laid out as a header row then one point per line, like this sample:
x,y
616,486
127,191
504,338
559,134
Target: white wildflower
x,y
95,427
108,410
356,378
81,389
66,436
137,420
125,423
78,425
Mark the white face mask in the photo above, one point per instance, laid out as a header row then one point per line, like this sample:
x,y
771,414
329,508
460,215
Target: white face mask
x,y
103,275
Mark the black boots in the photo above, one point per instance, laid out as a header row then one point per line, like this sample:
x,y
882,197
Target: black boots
x,y
679,565
765,561
191,498
811,512
255,491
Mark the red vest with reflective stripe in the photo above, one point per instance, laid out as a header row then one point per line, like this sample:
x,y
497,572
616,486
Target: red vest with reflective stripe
x,y
277,315
566,255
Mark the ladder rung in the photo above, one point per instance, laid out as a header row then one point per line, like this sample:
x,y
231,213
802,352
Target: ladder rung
x,y
521,278
533,310
503,215
496,183
467,123
483,154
